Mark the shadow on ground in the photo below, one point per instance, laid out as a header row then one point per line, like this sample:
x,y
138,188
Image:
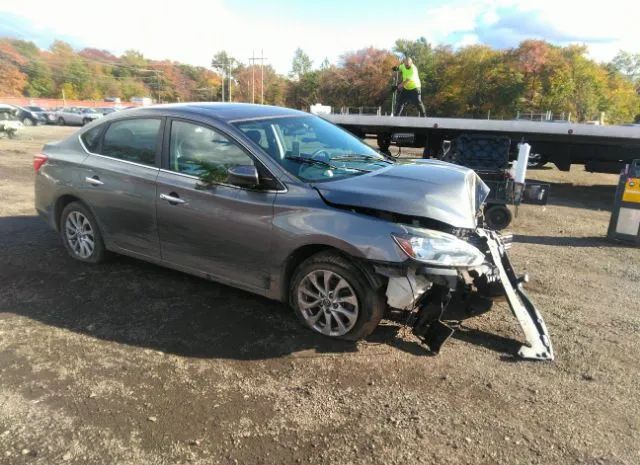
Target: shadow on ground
x,y
596,197
559,241
132,302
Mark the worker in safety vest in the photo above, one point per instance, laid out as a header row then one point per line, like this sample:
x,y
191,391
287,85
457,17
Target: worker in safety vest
x,y
409,88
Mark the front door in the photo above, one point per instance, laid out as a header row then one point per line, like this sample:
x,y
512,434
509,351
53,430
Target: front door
x,y
204,223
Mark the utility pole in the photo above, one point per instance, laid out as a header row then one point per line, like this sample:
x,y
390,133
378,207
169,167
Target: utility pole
x,y
158,86
253,60
226,72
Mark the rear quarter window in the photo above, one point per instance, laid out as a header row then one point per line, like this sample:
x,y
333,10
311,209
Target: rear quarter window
x,y
91,138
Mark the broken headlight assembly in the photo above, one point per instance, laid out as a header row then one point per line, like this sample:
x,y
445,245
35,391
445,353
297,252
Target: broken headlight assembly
x,y
439,249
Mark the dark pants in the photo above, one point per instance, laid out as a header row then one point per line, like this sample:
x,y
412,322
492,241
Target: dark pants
x,y
409,96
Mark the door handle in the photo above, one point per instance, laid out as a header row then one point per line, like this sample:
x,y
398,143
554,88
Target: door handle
x,y
172,199
94,181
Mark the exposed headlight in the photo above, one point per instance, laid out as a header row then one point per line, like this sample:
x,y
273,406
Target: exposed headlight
x,y
441,249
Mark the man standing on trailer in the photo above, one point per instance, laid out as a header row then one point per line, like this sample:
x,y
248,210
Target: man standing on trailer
x,y
409,88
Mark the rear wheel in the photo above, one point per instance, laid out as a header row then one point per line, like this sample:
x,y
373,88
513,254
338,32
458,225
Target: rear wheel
x,y
498,217
330,295
61,121
86,121
80,234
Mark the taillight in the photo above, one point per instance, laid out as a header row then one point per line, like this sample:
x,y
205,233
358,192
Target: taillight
x,y
38,161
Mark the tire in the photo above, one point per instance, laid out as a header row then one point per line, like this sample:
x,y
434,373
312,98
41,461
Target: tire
x,y
536,161
61,121
86,121
28,122
497,217
358,321
78,218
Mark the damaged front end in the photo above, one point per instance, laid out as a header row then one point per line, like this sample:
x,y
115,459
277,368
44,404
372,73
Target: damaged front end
x,y
471,269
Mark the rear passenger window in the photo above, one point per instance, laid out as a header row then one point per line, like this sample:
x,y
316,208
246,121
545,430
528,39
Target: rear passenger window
x,y
91,139
132,140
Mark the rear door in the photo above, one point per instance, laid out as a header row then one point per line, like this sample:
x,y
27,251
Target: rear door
x,y
120,183
204,223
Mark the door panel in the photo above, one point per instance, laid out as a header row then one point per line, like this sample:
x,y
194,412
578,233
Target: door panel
x,y
124,203
220,230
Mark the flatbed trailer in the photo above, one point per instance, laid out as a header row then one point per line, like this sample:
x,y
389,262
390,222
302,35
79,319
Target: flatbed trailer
x,y
599,148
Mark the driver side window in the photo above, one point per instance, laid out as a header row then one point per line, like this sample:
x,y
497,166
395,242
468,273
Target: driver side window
x,y
203,152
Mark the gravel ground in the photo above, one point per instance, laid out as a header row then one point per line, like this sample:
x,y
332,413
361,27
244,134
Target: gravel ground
x,y
131,363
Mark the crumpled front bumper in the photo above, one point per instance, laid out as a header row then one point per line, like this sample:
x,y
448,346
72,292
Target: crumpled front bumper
x,y
427,291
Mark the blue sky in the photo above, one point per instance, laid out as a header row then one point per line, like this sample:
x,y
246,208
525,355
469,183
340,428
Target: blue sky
x,y
191,30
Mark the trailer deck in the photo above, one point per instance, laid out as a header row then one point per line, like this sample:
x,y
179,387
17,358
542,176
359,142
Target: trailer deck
x,y
599,148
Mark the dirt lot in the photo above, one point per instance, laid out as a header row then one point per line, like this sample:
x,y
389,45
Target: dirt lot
x,y
130,363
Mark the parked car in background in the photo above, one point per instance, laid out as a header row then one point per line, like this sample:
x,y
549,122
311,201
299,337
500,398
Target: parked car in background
x,y
286,205
28,117
45,116
9,123
106,110
76,116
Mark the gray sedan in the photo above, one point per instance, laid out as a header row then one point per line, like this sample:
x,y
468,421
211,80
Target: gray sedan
x,y
76,116
289,206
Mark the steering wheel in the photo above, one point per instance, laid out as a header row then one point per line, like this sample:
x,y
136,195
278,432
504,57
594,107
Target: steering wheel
x,y
321,154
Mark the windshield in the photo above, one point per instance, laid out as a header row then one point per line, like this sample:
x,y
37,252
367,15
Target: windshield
x,y
312,149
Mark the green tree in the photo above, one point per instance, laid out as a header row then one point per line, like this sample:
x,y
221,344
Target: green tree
x,y
300,65
40,83
628,64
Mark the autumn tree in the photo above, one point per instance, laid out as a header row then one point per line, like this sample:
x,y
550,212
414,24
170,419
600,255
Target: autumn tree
x,y
13,79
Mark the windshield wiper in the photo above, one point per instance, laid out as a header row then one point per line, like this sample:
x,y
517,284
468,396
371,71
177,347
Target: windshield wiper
x,y
313,161
360,156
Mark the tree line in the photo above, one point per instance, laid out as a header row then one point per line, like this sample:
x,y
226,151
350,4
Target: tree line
x,y
472,81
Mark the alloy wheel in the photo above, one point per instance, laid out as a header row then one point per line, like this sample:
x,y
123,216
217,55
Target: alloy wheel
x,y
80,235
328,303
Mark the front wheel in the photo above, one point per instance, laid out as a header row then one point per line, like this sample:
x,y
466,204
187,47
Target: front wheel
x,y
330,295
28,122
80,234
61,121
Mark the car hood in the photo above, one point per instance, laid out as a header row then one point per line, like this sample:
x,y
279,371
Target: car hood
x,y
431,189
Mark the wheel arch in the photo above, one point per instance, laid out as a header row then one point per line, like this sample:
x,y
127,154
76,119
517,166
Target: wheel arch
x,y
302,253
60,204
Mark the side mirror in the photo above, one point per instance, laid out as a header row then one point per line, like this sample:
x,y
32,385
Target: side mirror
x,y
243,176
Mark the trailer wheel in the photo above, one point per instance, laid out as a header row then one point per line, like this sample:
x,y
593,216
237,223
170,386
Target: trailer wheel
x,y
497,217
536,161
384,142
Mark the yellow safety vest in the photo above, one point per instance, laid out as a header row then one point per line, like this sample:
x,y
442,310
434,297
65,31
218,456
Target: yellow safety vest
x,y
411,76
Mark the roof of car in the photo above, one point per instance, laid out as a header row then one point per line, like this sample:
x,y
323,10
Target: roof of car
x,y
226,111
